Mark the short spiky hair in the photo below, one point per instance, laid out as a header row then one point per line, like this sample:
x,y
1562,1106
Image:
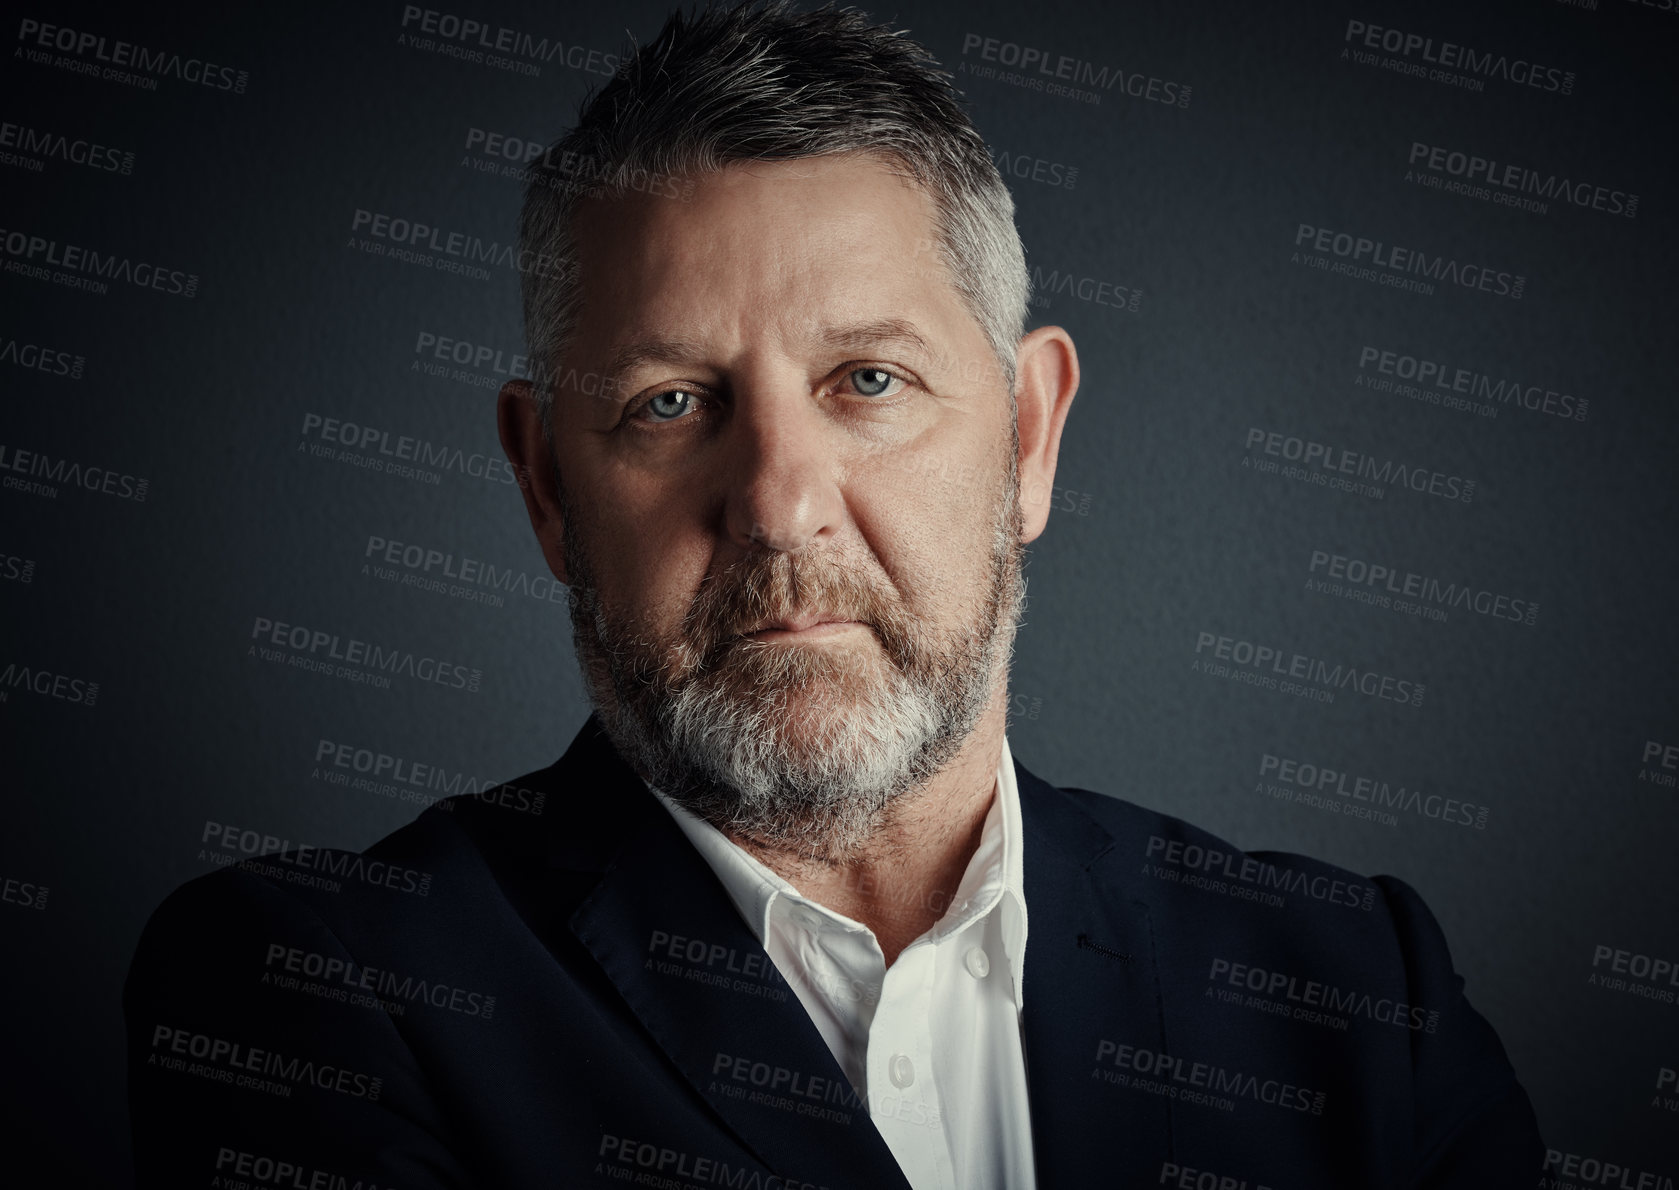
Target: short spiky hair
x,y
769,83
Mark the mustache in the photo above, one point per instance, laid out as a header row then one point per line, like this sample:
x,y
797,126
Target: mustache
x,y
770,586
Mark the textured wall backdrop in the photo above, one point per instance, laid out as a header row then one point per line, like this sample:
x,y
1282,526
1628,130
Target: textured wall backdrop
x,y
1363,544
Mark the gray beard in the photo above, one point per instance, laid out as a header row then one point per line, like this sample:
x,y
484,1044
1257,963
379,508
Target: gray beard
x,y
799,749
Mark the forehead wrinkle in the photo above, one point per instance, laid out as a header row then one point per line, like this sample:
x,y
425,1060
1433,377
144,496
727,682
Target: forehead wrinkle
x,y
650,349
882,331
848,339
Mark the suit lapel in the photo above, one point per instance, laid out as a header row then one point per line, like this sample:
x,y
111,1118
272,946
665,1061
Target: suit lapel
x,y
1091,988
664,931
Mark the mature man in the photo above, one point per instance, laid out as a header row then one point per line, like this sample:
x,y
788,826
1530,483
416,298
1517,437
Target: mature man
x,y
791,914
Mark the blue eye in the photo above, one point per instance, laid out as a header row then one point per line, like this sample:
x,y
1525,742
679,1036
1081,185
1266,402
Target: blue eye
x,y
670,405
871,382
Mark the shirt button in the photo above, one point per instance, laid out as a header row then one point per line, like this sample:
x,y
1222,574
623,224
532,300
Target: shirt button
x,y
901,1070
978,965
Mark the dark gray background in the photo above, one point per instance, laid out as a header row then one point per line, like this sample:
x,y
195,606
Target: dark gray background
x,y
1197,206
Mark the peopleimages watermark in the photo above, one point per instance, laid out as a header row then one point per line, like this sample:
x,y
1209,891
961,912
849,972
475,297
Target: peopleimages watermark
x,y
259,1169
1037,69
1246,878
429,569
1343,470
48,684
1398,267
1667,1080
295,863
1643,975
1437,383
317,650
74,266
1665,770
34,357
1047,285
476,364
1453,171
499,46
1274,668
817,1097
1409,593
1311,1001
25,894
118,61
484,366
1206,1083
721,966
1585,1172
345,979
414,241
1447,61
239,1064
14,568
1028,168
47,470
1315,783
373,771
1189,1177
661,1165
770,1084
715,956
31,149
529,159
373,448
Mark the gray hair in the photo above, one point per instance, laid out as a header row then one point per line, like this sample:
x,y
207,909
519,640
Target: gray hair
x,y
768,83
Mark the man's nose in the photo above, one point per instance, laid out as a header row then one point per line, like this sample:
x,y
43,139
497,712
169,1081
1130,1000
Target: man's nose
x,y
784,491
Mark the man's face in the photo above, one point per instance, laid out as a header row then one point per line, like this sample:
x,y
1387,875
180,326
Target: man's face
x,y
801,423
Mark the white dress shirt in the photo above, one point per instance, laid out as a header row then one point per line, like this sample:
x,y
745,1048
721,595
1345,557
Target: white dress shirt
x,y
933,1043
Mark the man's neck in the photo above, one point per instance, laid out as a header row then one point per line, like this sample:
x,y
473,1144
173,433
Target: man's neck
x,y
903,879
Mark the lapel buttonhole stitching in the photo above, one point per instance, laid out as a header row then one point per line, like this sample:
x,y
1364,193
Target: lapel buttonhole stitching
x,y
1085,943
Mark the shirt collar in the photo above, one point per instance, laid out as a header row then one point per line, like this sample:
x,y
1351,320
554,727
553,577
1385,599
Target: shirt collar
x,y
999,859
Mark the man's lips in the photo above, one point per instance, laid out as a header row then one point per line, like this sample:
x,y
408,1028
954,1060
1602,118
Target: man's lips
x,y
806,626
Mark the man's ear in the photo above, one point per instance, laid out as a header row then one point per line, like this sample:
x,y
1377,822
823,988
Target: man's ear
x,y
520,424
1046,379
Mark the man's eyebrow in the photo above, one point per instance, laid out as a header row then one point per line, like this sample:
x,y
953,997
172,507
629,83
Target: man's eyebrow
x,y
655,349
869,334
662,349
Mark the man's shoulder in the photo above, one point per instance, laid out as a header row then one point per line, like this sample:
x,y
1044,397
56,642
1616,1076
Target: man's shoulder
x,y
1130,829
528,847
1270,960
1269,932
1242,905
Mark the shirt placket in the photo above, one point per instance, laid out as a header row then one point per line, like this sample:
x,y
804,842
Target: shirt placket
x,y
848,965
904,1098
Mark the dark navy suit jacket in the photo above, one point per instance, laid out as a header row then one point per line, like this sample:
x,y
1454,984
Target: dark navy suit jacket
x,y
546,986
